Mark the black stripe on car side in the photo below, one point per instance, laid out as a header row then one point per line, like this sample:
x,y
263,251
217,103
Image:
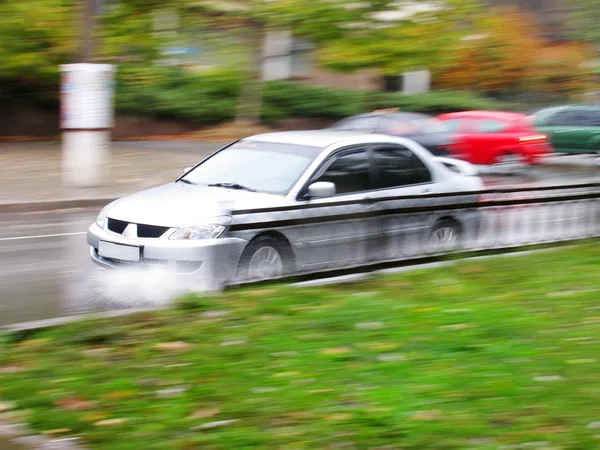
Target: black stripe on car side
x,y
419,209
413,197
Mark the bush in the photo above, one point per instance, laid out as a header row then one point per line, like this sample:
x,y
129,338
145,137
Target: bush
x,y
437,102
211,97
207,98
292,99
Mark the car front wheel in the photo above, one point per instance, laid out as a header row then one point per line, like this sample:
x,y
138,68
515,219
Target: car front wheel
x,y
264,258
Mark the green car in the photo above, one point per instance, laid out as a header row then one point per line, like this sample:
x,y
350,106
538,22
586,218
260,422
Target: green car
x,y
573,129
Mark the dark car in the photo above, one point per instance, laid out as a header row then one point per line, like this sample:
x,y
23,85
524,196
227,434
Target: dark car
x,y
573,129
421,128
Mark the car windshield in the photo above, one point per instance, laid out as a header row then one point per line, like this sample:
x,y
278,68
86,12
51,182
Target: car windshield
x,y
255,166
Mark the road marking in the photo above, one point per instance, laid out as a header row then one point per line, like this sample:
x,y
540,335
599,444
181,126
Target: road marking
x,y
41,236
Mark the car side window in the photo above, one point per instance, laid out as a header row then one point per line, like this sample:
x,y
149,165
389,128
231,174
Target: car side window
x,y
397,166
348,170
490,126
594,119
453,125
566,118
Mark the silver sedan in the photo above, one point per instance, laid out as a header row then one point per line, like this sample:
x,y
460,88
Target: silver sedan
x,y
289,203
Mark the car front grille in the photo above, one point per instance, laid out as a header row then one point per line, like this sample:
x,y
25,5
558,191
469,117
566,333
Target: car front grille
x,y
117,226
151,231
143,230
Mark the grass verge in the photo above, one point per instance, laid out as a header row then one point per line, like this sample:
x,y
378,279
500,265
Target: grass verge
x,y
484,354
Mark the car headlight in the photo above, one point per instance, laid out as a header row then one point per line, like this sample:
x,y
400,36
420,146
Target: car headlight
x,y
210,230
101,219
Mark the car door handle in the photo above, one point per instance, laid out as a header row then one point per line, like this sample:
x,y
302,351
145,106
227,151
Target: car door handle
x,y
369,202
425,192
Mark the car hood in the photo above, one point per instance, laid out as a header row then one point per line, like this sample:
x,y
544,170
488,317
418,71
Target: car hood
x,y
180,204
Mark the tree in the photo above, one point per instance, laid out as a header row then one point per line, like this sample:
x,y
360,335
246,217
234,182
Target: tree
x,y
499,57
35,37
563,70
585,17
508,56
322,21
39,35
420,37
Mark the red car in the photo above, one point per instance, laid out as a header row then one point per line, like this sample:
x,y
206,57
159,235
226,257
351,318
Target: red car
x,y
494,137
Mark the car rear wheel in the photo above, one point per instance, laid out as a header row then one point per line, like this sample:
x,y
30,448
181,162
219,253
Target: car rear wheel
x,y
264,258
446,236
511,162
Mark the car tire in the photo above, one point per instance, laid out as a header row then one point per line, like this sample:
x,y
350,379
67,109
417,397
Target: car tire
x,y
446,236
264,258
511,162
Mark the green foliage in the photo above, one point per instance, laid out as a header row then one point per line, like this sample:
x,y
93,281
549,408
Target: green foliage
x,y
211,97
585,16
35,37
292,99
208,98
438,102
425,39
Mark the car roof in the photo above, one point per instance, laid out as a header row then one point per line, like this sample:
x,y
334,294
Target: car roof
x,y
395,115
497,115
544,112
582,107
313,138
552,109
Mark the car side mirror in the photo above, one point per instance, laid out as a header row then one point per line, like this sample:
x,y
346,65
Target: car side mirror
x,y
321,189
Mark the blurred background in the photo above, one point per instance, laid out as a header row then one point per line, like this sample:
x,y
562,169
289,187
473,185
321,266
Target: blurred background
x,y
185,65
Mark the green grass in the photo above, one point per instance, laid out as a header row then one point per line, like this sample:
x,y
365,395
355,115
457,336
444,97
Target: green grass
x,y
484,354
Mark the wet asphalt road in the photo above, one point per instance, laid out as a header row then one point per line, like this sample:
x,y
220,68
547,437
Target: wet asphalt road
x,y
45,269
43,261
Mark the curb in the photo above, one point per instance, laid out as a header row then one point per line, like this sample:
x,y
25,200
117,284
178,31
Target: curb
x,y
65,320
53,205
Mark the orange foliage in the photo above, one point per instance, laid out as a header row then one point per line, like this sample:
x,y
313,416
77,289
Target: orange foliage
x,y
509,54
563,69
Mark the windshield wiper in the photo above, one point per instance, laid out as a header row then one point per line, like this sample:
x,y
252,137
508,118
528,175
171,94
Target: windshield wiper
x,y
185,181
232,186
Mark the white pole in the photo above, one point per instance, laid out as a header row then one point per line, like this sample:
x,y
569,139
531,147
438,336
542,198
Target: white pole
x,y
86,122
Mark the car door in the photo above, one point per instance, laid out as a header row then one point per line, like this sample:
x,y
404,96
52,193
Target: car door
x,y
399,172
579,134
567,130
593,130
488,139
341,230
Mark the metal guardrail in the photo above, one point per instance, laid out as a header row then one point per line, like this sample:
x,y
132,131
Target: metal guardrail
x,y
400,228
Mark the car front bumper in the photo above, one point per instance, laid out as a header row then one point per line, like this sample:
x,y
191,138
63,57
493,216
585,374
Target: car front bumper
x,y
215,260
